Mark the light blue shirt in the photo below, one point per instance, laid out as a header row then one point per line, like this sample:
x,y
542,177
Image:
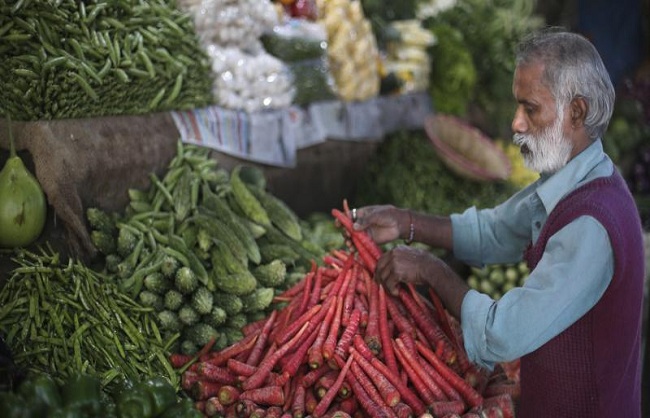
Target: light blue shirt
x,y
572,275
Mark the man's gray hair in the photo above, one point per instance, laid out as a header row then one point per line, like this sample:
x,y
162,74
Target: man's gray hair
x,y
572,68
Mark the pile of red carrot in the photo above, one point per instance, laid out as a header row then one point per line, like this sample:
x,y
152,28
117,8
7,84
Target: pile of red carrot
x,y
342,346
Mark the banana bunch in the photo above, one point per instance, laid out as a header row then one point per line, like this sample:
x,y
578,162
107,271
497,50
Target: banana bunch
x,y
407,56
352,49
496,279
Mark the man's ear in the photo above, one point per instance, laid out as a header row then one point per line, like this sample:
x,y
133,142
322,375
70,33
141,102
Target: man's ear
x,y
578,108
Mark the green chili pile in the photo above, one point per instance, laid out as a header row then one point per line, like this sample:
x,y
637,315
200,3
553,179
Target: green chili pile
x,y
67,319
72,59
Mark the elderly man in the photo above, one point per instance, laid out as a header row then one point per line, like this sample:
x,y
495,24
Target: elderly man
x,y
576,323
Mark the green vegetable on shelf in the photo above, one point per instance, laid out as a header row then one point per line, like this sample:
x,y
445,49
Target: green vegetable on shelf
x,y
22,202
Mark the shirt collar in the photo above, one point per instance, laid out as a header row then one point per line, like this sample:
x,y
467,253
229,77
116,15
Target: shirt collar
x,y
553,187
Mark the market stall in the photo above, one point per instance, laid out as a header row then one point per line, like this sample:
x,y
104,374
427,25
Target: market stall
x,y
198,160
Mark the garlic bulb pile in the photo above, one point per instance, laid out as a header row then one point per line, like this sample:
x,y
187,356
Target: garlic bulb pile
x,y
246,77
232,23
251,82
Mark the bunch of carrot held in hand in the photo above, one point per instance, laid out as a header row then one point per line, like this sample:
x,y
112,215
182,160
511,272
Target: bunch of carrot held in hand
x,y
342,346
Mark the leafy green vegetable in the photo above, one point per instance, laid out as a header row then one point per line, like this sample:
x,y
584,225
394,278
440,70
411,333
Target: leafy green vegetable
x,y
491,31
406,172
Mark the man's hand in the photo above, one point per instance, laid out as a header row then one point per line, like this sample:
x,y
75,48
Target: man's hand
x,y
382,222
405,264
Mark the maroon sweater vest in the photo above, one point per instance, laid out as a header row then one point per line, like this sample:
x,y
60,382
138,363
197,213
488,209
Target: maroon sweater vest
x,y
593,368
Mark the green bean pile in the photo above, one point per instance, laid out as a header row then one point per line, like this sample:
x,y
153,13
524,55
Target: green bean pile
x,y
71,59
67,319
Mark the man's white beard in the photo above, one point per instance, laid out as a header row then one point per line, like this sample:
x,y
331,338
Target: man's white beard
x,y
549,151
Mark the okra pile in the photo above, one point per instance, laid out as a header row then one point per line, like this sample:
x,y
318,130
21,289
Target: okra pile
x,y
205,248
71,59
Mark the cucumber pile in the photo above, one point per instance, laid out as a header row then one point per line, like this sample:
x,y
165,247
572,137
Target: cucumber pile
x,y
206,249
496,279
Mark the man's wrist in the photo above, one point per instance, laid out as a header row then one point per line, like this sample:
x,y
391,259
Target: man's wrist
x,y
410,229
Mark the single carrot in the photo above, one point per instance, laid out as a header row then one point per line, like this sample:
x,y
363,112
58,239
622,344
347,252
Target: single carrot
x,y
284,319
395,310
363,239
228,394
239,368
244,408
326,400
266,396
325,382
506,387
214,407
203,389
384,331
348,301
402,410
449,391
471,396
178,360
200,406
289,389
311,377
425,323
367,404
318,286
504,402
332,262
273,411
265,366
254,327
443,316
258,412
310,401
411,356
341,278
315,353
298,405
388,392
362,306
306,294
296,359
443,408
372,328
422,389
257,350
346,208
350,331
211,373
369,262
406,394
292,328
361,347
188,378
372,392
329,345
349,405
220,357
